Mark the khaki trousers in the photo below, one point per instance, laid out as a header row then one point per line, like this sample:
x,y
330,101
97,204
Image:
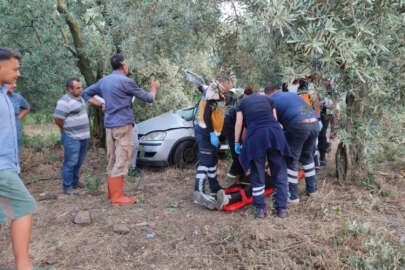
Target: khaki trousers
x,y
119,150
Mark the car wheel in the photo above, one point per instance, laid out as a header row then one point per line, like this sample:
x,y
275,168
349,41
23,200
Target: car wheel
x,y
186,153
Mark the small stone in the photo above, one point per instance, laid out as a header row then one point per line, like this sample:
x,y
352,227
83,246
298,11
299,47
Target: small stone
x,y
402,240
142,224
121,229
82,218
51,261
110,221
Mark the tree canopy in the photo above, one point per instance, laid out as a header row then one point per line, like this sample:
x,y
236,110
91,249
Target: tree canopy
x,y
358,44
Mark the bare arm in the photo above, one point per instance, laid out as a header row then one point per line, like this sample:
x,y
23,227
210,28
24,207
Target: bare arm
x,y
96,102
59,122
238,126
275,113
23,113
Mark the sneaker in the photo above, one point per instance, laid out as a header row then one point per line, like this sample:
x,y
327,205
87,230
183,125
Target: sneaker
x,y
313,194
204,200
282,213
70,191
261,213
230,175
79,185
295,201
222,199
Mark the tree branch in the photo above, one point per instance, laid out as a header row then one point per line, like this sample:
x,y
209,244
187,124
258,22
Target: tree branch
x,y
74,26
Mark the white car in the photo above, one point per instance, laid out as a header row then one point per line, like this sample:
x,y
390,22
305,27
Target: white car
x,y
168,139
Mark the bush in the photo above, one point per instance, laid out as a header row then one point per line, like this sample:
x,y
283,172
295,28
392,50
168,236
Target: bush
x,y
93,183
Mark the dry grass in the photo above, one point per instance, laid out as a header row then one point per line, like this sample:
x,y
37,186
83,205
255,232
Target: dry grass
x,y
329,232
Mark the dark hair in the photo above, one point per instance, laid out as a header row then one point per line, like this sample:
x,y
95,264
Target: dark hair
x,y
69,82
248,91
117,60
284,87
7,54
271,88
303,85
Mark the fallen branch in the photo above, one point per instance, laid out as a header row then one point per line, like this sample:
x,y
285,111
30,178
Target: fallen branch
x,y
42,179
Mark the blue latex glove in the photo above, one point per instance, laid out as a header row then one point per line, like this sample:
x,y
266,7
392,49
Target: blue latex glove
x,y
214,139
237,148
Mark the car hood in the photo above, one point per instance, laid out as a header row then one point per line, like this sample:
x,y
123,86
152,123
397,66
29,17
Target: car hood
x,y
165,121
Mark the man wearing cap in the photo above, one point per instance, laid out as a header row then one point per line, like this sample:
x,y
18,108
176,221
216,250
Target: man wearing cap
x,y
301,126
118,90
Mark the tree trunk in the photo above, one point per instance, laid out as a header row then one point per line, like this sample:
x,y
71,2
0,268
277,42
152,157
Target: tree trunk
x,y
352,156
84,65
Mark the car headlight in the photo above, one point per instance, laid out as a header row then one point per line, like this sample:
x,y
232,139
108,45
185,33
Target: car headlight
x,y
154,136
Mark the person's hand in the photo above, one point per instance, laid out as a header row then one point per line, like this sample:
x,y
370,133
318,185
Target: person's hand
x,y
237,148
155,84
103,107
214,139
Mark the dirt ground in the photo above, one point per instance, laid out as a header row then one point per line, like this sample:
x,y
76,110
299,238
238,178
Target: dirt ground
x,y
360,225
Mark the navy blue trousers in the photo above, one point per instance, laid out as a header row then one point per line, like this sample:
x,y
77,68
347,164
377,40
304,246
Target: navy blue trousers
x,y
207,166
278,170
302,141
323,143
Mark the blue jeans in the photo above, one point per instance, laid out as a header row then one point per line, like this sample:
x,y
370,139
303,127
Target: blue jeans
x,y
208,158
74,156
302,141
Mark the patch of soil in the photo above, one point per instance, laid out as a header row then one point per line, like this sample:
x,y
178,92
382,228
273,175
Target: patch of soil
x,y
168,231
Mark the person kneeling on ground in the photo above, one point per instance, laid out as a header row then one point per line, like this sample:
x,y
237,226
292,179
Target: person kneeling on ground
x,y
228,131
210,123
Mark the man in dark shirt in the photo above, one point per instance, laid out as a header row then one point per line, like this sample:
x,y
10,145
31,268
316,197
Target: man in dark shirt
x,y
118,90
301,126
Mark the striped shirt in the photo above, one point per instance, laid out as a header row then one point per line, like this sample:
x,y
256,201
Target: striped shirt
x,y
74,113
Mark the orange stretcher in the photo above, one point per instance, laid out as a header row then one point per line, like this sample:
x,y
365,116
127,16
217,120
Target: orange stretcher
x,y
248,200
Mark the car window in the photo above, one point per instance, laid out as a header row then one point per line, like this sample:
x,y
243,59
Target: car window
x,y
186,114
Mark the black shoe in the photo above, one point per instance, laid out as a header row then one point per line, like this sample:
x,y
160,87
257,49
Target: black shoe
x,y
79,185
282,213
261,213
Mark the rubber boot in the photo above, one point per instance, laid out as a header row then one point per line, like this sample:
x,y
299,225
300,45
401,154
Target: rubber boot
x,y
115,186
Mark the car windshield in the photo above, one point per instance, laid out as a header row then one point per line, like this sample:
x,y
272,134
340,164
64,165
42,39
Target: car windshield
x,y
186,114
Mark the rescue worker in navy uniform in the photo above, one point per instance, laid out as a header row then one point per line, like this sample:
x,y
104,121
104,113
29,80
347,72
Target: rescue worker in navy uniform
x,y
301,126
210,120
265,140
236,171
